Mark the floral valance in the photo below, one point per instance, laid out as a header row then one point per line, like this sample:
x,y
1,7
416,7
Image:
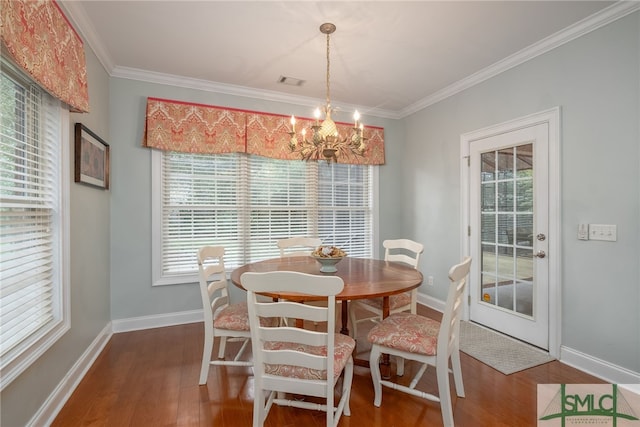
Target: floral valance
x,y
42,42
194,128
197,128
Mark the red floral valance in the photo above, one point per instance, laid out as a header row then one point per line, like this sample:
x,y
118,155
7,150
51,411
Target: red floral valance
x,y
268,135
194,128
42,42
197,128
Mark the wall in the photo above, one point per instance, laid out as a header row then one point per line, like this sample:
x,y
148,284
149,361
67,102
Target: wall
x,y
132,295
89,276
595,81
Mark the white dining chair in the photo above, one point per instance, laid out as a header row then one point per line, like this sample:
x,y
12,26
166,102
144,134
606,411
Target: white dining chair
x,y
228,322
291,361
298,246
399,250
426,341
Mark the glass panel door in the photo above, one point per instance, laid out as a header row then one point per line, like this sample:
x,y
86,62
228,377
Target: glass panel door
x,y
508,205
506,222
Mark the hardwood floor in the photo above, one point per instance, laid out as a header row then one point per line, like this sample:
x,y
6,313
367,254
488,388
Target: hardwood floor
x,y
150,378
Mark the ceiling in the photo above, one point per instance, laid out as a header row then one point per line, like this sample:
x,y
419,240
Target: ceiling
x,y
388,58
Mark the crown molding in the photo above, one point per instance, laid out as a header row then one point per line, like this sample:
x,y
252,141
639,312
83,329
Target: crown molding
x,y
228,89
599,19
75,12
81,22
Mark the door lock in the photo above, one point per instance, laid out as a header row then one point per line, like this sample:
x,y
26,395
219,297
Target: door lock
x,y
541,237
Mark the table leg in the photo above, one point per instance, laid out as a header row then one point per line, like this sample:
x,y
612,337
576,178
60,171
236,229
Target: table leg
x,y
344,329
385,365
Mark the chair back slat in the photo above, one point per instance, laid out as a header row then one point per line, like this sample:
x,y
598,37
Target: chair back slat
x,y
292,282
298,246
294,335
295,358
403,250
292,310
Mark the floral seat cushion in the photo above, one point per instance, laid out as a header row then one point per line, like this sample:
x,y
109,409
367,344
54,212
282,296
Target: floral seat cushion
x,y
235,317
408,332
395,301
343,347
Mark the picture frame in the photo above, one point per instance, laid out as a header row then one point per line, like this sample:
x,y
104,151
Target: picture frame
x,y
91,158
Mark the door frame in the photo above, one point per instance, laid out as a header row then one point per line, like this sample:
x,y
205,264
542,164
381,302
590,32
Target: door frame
x,y
552,118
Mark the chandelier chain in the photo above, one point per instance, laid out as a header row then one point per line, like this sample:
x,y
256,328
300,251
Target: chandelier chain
x,y
328,68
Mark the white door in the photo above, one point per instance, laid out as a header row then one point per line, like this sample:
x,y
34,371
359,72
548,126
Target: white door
x,y
509,233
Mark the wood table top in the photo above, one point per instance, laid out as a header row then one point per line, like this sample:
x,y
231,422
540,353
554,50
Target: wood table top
x,y
363,277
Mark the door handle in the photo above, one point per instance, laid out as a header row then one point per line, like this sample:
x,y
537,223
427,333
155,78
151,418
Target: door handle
x,y
540,254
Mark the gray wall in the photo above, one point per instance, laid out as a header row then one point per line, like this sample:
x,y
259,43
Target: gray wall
x,y
131,292
89,276
595,81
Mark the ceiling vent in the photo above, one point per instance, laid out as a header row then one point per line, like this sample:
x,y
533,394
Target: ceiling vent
x,y
291,81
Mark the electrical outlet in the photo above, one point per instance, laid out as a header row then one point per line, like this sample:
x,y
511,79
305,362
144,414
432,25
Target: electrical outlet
x,y
430,280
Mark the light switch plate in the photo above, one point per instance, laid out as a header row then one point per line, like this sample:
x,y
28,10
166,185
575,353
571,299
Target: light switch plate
x,y
607,232
583,231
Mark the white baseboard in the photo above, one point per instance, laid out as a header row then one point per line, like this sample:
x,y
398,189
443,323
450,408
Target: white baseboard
x,y
431,302
591,365
56,400
597,367
157,321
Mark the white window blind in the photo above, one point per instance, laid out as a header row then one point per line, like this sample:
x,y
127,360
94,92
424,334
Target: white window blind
x,y
31,304
246,203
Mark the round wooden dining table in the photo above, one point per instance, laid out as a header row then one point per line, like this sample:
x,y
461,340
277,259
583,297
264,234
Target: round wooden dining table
x,y
363,278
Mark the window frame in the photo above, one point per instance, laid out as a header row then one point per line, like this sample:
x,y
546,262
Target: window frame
x,y
24,354
158,279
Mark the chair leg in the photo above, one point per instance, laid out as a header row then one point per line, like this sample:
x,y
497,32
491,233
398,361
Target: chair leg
x,y
399,366
223,346
258,408
347,380
206,358
444,393
457,373
374,366
330,413
263,400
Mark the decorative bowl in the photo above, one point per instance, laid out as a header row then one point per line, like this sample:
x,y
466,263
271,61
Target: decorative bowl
x,y
327,264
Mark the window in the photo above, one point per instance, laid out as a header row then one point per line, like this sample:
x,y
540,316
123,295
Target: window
x,y
245,203
33,236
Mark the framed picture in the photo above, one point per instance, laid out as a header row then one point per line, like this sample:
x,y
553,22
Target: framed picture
x,y
91,158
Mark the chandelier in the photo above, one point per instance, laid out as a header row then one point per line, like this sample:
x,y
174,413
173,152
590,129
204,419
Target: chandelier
x,y
325,141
